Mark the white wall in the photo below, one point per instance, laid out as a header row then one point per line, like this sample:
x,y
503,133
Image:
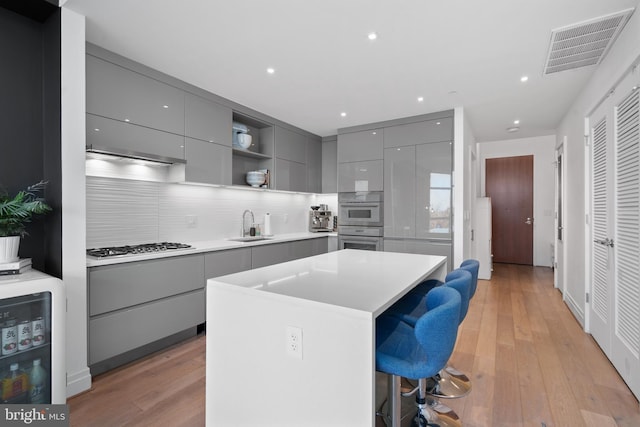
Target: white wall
x,y
73,199
543,150
125,211
618,61
464,182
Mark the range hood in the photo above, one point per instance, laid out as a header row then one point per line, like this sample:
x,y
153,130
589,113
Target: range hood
x,y
127,154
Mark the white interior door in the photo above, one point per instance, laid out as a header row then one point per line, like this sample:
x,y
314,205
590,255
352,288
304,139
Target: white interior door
x,y
615,228
602,261
558,276
626,331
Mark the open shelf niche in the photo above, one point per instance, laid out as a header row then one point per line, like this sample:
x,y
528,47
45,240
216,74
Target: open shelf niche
x,y
259,155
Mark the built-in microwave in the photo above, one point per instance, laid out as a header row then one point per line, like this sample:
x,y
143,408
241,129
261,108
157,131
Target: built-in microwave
x,y
361,209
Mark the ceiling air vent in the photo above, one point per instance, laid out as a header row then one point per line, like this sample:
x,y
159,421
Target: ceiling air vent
x,y
584,44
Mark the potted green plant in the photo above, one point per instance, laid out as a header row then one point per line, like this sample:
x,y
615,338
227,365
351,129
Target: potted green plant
x,y
15,213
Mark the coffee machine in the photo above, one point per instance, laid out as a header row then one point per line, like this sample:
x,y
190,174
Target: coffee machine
x,y
320,219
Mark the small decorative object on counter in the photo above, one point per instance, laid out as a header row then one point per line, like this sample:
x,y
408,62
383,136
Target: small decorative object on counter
x,y
37,331
9,337
24,335
37,383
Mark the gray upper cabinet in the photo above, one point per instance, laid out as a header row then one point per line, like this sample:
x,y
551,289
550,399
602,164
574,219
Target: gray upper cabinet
x,y
400,192
360,176
314,165
434,164
103,132
330,165
360,146
207,162
207,120
290,145
291,176
122,94
419,133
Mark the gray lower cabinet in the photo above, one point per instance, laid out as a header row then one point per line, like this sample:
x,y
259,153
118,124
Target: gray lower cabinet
x,y
226,262
132,305
207,162
126,330
207,120
137,303
108,133
419,246
276,253
121,94
360,176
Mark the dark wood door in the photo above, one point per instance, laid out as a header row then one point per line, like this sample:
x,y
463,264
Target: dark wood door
x,y
509,183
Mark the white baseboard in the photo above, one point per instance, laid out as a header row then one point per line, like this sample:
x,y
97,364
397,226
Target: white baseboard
x,y
78,382
577,311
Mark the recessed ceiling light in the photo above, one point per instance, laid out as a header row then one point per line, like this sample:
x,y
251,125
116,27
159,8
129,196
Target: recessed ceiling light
x,y
513,129
438,123
127,120
97,130
372,36
165,106
516,122
420,99
374,133
271,70
343,114
524,79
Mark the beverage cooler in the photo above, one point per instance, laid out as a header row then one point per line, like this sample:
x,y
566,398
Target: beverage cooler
x,y
32,355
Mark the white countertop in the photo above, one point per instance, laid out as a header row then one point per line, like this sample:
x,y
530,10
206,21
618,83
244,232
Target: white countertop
x,y
205,246
354,279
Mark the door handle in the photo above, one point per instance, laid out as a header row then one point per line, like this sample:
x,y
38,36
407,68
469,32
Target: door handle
x,y
605,242
529,221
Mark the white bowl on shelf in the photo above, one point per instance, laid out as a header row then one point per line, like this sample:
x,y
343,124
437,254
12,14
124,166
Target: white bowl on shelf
x,y
244,140
255,178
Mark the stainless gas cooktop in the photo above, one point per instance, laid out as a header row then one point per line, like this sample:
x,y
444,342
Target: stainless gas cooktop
x,y
135,249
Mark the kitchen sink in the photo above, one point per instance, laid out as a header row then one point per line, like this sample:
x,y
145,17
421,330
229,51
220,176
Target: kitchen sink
x,y
249,239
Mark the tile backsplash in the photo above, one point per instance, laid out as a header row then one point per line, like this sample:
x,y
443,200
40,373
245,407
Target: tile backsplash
x,y
124,211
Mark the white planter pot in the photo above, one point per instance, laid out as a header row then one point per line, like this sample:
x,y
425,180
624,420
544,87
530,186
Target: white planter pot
x,y
9,248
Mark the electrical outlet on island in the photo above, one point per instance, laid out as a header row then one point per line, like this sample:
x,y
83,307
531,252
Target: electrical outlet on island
x,y
294,342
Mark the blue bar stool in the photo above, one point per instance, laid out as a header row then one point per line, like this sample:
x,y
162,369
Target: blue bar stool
x,y
417,351
452,383
449,382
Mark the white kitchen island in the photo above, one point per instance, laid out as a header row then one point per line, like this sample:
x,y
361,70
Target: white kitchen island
x,y
253,378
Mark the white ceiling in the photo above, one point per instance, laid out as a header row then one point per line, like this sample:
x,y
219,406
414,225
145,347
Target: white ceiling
x,y
451,52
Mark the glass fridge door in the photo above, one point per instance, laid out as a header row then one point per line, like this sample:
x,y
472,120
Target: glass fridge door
x,y
25,349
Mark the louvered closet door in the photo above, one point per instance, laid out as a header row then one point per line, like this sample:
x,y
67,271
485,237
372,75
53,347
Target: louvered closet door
x,y
614,311
626,326
602,262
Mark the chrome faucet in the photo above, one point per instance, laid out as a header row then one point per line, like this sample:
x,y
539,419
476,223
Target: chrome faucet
x,y
253,220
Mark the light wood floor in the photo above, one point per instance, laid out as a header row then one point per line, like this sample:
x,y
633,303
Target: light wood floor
x,y
530,363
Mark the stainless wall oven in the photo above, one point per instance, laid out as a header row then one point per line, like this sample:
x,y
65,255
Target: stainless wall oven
x,y
360,221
